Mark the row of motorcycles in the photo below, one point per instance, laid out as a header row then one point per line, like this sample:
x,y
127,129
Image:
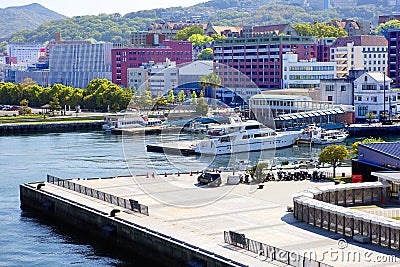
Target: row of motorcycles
x,y
290,176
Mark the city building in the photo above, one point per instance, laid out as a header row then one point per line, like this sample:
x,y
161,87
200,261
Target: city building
x,y
144,39
373,94
75,63
324,49
386,18
134,57
258,59
227,31
319,4
305,73
377,157
359,52
190,73
169,29
277,29
340,90
344,3
138,78
352,27
24,52
394,56
162,78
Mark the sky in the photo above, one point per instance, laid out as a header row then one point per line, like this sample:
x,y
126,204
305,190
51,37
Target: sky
x,y
72,8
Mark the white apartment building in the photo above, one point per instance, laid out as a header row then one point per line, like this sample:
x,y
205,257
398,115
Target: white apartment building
x,y
162,78
138,78
24,52
305,73
364,52
372,93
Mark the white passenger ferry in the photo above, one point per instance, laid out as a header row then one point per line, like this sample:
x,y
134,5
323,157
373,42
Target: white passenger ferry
x,y
245,137
124,120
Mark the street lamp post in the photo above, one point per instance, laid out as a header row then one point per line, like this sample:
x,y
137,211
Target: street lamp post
x,y
384,97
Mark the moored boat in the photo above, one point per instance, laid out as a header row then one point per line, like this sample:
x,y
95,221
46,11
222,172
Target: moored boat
x,y
321,136
245,137
125,120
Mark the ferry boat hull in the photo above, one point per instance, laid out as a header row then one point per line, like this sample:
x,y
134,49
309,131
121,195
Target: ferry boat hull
x,y
216,147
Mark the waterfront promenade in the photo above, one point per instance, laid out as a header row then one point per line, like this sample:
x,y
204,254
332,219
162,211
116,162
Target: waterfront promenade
x,y
199,215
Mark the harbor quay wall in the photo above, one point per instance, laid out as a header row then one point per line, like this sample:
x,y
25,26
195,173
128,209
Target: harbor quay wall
x,y
49,126
126,235
374,130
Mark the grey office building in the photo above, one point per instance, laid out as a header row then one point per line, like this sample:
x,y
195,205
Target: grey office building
x,y
76,64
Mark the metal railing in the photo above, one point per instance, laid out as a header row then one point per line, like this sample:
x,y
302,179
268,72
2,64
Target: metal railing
x,y
265,251
130,204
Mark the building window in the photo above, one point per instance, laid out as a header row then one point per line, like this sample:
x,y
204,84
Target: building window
x,y
362,110
330,98
343,88
329,88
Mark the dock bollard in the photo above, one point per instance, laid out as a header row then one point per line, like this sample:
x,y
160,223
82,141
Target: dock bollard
x,y
191,173
152,175
147,175
165,175
179,174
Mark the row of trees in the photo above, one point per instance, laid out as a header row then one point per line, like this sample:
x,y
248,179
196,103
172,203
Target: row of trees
x,y
145,101
99,94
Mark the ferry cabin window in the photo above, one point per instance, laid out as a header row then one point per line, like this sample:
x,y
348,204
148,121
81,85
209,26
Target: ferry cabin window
x,y
252,127
225,139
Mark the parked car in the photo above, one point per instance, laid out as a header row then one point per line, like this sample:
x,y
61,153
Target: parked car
x,y
209,178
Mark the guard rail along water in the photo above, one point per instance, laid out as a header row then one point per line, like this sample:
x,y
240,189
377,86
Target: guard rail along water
x,y
265,251
118,201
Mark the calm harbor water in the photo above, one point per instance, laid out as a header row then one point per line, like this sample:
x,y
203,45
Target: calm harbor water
x,y
26,240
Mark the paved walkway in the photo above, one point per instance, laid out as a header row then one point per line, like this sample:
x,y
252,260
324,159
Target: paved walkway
x,y
200,214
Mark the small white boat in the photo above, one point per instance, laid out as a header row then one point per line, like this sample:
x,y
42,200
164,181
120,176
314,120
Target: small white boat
x,y
245,137
197,127
124,120
320,136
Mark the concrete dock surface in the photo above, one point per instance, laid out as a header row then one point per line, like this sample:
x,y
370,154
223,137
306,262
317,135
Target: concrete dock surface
x,y
199,215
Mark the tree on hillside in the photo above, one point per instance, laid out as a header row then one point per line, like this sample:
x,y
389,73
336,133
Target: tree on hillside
x,y
354,146
333,155
200,40
319,30
185,33
384,28
206,54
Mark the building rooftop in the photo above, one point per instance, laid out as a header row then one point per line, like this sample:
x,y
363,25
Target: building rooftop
x,y
391,149
361,40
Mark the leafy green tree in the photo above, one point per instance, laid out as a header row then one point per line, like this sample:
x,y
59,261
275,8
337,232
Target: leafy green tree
x,y
185,33
333,155
211,80
319,30
218,37
354,146
54,105
171,96
200,40
257,171
206,54
160,102
384,28
370,116
201,107
193,97
144,100
181,96
24,109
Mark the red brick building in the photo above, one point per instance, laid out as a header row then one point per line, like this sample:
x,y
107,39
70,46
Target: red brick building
x,y
124,58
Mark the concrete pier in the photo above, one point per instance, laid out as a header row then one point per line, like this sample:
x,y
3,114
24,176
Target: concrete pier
x,y
186,222
32,127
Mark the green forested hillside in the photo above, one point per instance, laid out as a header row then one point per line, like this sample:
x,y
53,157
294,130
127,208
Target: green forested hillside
x,y
13,19
117,28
